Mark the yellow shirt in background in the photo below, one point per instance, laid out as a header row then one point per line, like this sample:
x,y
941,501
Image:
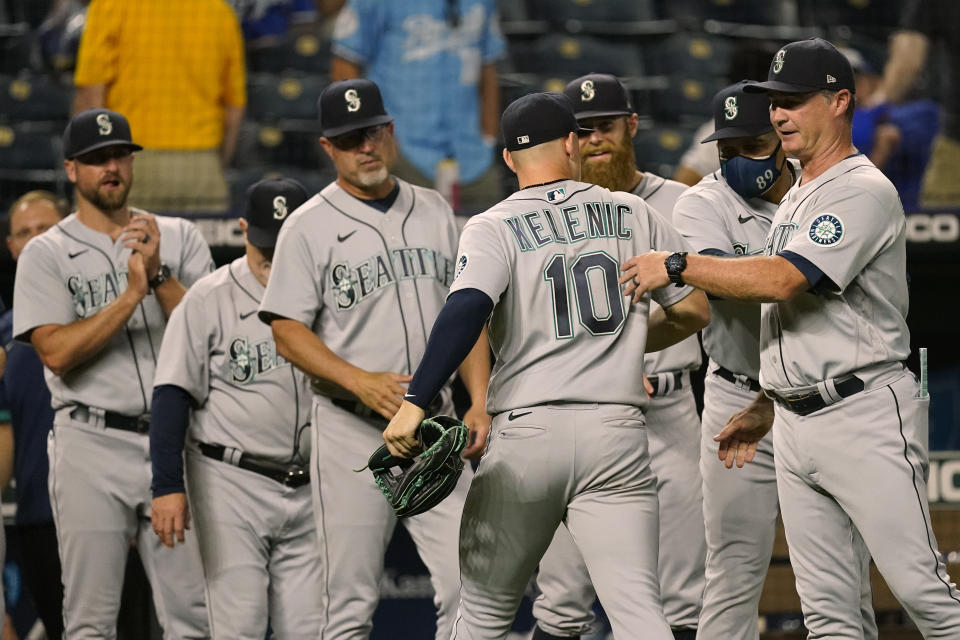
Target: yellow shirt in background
x,y
170,66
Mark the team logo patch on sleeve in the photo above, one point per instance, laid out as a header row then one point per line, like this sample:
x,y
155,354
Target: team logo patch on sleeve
x,y
825,230
461,265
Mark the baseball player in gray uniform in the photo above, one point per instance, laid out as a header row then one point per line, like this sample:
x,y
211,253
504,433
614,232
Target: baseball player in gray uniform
x,y
249,447
564,607
568,443
850,420
729,214
93,295
360,273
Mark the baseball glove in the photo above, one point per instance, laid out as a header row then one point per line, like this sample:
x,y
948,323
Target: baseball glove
x,y
414,485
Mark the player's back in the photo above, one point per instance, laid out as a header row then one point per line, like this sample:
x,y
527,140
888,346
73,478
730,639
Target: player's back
x,y
550,258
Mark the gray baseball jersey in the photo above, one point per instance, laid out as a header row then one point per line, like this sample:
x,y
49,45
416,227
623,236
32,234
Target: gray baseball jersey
x,y
836,229
247,396
70,273
739,509
711,215
588,232
662,194
559,247
250,399
370,284
833,463
347,267
564,606
100,477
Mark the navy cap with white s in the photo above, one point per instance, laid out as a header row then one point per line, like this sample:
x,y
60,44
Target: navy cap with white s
x,y
537,118
95,129
269,202
806,66
351,104
739,114
598,95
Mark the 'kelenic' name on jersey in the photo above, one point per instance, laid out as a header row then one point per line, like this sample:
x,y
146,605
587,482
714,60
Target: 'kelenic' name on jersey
x,y
250,359
570,224
354,283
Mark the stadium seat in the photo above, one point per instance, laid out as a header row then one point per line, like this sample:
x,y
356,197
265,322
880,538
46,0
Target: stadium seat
x,y
567,57
513,10
288,96
33,98
560,11
874,17
684,96
305,52
291,143
659,148
23,146
696,55
693,12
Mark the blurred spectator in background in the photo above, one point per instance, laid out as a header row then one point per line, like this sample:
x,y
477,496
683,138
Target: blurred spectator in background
x,y
58,36
175,68
926,24
434,61
749,61
271,20
896,137
24,394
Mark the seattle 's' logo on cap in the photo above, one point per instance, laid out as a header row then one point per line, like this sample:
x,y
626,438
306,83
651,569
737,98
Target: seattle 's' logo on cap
x,y
587,91
105,127
353,100
778,61
730,109
280,207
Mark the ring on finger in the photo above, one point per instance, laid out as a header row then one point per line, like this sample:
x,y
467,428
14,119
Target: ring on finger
x,y
146,238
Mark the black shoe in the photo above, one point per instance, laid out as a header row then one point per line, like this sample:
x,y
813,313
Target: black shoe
x,y
540,634
684,634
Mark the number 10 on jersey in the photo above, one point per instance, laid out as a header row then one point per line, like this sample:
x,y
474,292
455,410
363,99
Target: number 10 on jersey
x,y
591,278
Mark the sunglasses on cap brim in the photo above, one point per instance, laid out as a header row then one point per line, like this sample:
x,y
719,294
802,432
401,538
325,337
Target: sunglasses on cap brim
x,y
353,139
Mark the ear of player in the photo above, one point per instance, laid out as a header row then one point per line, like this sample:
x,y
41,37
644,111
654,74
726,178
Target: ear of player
x,y
414,485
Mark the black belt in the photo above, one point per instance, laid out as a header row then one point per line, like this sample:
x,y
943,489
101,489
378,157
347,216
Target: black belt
x,y
287,476
357,407
810,401
735,378
362,410
674,382
113,420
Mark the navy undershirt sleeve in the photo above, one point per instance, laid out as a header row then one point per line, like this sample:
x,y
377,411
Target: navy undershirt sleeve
x,y
453,335
720,253
169,419
810,271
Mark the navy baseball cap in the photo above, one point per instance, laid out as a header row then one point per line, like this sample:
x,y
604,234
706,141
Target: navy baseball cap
x,y
598,95
351,104
537,118
95,129
268,204
738,114
806,66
